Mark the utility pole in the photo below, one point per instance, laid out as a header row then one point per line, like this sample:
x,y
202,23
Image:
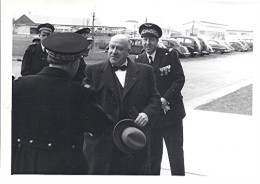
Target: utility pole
x,y
93,20
192,29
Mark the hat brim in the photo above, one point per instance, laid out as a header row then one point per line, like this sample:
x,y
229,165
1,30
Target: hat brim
x,y
118,130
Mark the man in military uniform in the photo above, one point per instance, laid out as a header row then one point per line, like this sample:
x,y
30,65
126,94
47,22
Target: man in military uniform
x,y
51,112
170,81
35,57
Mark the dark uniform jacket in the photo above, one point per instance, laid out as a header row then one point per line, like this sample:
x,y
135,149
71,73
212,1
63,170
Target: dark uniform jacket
x,y
50,113
139,95
170,80
34,60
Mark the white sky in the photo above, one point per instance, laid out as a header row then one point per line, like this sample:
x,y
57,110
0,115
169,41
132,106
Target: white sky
x,y
166,13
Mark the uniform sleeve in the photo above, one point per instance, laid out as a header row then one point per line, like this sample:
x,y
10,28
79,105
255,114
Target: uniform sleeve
x,y
27,62
154,104
93,117
177,76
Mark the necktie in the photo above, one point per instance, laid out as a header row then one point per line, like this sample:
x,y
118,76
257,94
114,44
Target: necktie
x,y
150,59
122,68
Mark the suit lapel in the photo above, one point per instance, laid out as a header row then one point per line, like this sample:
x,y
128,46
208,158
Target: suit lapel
x,y
131,77
145,59
108,79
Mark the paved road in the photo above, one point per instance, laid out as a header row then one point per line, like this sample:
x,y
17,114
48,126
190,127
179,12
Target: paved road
x,y
209,78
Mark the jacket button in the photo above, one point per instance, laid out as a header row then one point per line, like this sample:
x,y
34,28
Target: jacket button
x,y
49,145
18,140
31,141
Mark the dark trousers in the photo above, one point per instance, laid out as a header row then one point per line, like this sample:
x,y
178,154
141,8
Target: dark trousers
x,y
128,164
173,136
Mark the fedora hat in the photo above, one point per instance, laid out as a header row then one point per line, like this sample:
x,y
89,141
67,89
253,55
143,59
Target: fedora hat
x,y
128,137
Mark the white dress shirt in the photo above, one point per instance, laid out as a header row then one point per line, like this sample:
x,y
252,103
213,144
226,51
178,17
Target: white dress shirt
x,y
121,75
152,55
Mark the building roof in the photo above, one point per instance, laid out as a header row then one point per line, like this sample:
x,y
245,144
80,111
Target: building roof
x,y
207,24
34,20
39,19
24,20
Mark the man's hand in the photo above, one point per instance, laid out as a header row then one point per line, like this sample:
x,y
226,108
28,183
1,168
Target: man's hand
x,y
165,105
141,120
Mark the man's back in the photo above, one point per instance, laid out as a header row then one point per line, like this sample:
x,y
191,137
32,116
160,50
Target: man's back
x,y
50,114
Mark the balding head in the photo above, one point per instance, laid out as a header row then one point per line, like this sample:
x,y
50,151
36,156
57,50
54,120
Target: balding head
x,y
118,49
122,39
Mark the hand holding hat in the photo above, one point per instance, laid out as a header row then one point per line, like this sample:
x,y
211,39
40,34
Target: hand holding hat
x,y
129,137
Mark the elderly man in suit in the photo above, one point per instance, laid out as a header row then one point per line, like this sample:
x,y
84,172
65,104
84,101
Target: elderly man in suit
x,y
170,81
51,112
125,90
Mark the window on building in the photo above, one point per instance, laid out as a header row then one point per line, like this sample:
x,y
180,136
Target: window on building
x,y
202,32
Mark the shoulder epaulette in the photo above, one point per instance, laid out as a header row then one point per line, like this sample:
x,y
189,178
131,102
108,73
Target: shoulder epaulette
x,y
31,47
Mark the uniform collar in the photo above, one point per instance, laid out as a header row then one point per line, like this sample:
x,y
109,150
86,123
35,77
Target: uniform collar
x,y
153,54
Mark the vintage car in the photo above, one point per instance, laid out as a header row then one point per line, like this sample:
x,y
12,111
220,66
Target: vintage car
x,y
249,42
206,49
218,47
136,46
228,45
192,44
244,44
173,43
239,47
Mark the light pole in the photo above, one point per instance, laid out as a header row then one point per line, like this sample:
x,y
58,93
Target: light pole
x,y
93,20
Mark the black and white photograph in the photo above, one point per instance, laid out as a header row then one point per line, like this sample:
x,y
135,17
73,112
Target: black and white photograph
x,y
130,91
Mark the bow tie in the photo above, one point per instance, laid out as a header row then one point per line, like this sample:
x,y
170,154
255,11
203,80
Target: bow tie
x,y
122,68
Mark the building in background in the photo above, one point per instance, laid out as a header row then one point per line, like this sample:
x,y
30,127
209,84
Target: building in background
x,y
208,30
27,25
236,34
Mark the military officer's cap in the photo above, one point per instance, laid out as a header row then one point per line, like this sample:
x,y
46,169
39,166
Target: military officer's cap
x,y
46,26
150,29
65,46
85,30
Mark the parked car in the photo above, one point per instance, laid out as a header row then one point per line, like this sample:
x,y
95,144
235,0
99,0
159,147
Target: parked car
x,y
228,45
249,42
218,47
237,46
205,48
192,44
136,45
173,43
244,44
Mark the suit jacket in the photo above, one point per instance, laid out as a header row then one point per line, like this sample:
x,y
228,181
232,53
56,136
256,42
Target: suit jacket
x,y
50,114
140,95
170,81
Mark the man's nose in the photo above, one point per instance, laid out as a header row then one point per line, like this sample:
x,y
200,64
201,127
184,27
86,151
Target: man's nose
x,y
114,50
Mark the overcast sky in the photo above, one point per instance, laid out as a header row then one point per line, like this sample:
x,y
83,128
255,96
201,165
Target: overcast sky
x,y
166,13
